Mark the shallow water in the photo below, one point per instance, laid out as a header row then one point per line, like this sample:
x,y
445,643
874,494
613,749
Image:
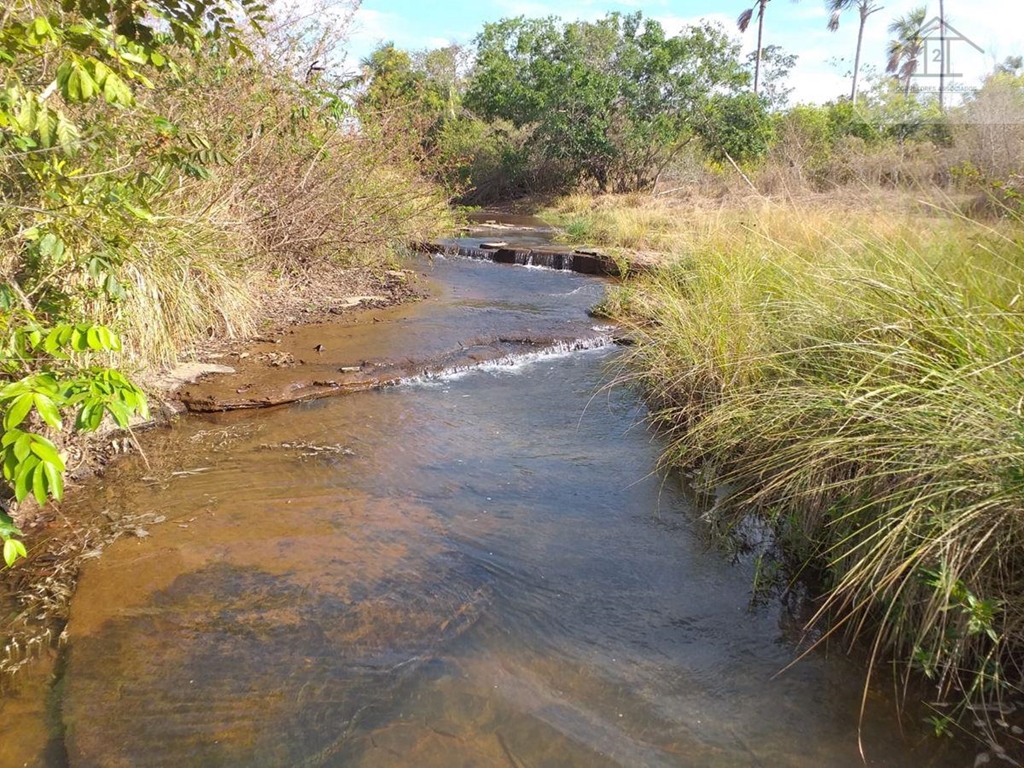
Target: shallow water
x,y
474,569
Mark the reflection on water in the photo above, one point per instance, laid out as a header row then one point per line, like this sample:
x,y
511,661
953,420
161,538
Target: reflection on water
x,y
476,571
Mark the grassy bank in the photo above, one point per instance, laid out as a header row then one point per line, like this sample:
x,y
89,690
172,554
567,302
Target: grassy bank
x,y
854,379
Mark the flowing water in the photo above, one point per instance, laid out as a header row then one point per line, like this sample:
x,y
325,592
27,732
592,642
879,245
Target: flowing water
x,y
473,569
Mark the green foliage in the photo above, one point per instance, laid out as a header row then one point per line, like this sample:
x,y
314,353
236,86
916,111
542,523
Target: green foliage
x,y
70,72
893,115
150,177
45,380
736,127
611,101
394,84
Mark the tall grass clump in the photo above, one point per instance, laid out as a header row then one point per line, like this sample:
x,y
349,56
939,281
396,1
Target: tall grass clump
x,y
633,222
858,384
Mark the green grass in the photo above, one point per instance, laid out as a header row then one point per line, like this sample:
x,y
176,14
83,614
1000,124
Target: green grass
x,y
858,382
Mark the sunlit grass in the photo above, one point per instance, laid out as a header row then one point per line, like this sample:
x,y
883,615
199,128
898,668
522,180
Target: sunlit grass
x,y
857,381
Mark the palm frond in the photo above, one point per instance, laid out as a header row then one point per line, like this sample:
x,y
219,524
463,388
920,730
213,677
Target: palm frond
x,y
743,20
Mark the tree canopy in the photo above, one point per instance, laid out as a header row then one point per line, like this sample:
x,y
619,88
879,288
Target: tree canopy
x,y
610,101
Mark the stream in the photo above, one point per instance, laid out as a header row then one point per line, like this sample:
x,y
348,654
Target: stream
x,y
478,566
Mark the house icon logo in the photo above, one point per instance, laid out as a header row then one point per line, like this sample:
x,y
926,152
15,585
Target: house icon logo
x,y
937,46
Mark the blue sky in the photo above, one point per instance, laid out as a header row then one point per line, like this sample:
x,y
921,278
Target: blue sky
x,y
826,58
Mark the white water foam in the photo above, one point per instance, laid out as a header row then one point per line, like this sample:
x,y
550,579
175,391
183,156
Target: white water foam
x,y
513,363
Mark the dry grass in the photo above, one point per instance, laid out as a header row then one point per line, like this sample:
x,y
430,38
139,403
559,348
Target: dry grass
x,y
855,380
302,189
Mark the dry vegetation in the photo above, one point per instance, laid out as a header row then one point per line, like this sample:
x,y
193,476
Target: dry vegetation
x,y
853,375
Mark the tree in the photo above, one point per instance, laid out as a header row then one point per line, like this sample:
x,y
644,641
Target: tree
x,y
1011,65
445,69
776,64
400,100
391,80
743,22
905,48
864,8
736,127
612,101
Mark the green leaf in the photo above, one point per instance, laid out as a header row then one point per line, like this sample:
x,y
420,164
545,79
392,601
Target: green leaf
x,y
101,72
116,91
54,481
10,465
73,85
92,338
47,410
67,134
89,417
23,478
47,244
120,413
39,484
13,549
14,389
47,452
46,124
87,84
109,339
134,58
139,212
10,437
17,411
27,117
52,344
22,446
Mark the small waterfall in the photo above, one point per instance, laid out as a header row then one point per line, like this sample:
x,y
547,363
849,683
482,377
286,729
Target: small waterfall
x,y
509,355
584,262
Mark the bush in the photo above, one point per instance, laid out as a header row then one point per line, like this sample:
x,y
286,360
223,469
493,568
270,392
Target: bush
x,y
736,127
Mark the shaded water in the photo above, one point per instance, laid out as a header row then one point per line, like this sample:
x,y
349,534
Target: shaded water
x,y
479,569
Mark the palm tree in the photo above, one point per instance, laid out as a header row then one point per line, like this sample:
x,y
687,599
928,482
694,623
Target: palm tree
x,y
905,48
743,22
865,8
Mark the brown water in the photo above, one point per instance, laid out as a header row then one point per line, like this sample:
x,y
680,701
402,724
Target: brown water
x,y
468,570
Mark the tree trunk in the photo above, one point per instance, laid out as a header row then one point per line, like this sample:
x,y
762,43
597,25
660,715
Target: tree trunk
x,y
856,61
760,32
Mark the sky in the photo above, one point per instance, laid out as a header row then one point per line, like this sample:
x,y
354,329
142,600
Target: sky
x,y
799,26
